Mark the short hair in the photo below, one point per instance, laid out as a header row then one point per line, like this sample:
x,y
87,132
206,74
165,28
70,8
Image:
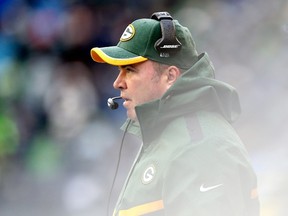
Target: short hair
x,y
160,67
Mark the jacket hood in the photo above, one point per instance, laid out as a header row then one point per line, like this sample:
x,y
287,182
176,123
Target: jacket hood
x,y
196,89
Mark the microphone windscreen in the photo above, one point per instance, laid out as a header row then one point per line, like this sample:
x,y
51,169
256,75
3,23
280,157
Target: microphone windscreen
x,y
112,104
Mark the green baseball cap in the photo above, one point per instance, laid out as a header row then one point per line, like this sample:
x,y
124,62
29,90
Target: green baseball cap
x,y
137,44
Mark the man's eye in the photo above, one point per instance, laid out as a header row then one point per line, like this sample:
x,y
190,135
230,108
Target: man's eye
x,y
130,69
127,69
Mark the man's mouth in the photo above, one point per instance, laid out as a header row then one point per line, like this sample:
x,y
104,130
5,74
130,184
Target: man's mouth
x,y
125,98
126,101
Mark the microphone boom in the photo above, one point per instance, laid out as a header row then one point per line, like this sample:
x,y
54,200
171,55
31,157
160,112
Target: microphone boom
x,y
112,104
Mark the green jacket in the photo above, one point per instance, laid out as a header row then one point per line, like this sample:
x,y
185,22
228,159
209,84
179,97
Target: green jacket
x,y
192,163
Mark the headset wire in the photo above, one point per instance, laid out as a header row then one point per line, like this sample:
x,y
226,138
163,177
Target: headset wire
x,y
117,168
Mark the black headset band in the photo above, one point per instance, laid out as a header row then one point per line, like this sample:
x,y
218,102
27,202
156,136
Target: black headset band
x,y
168,44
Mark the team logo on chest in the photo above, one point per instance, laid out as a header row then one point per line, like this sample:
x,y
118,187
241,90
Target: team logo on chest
x,y
148,174
128,33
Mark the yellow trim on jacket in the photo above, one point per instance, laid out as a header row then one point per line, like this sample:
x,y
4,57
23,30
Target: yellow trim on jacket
x,y
143,209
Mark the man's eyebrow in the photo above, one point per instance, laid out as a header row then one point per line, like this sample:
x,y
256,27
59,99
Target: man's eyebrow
x,y
125,66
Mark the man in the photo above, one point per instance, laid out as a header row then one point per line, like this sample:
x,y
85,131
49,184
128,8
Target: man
x,y
192,163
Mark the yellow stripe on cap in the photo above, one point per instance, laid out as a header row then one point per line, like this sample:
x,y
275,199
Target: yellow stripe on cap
x,y
99,56
143,209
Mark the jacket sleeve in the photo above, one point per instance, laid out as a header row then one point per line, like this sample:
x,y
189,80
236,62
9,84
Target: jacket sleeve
x,y
209,182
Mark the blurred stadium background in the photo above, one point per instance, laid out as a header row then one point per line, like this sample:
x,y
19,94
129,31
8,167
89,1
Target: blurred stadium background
x,y
59,142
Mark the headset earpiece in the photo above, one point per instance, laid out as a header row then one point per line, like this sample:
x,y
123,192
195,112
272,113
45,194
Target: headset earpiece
x,y
168,44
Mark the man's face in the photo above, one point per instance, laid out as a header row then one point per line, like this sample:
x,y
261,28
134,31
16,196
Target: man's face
x,y
140,83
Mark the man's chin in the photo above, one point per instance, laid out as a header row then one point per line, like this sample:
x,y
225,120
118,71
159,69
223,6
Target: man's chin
x,y
131,115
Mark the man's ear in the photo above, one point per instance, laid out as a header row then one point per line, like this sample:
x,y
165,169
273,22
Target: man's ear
x,y
173,73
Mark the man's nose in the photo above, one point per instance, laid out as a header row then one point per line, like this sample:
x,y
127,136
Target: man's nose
x,y
119,82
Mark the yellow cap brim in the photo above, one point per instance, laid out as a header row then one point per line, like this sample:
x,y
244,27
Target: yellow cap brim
x,y
115,55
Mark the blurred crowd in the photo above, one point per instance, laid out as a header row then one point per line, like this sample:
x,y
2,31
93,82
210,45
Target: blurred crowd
x,y
59,143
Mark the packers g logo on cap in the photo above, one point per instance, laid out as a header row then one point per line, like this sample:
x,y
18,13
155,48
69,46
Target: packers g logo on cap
x,y
128,33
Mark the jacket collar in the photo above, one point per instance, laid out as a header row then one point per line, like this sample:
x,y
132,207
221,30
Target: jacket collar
x,y
195,90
